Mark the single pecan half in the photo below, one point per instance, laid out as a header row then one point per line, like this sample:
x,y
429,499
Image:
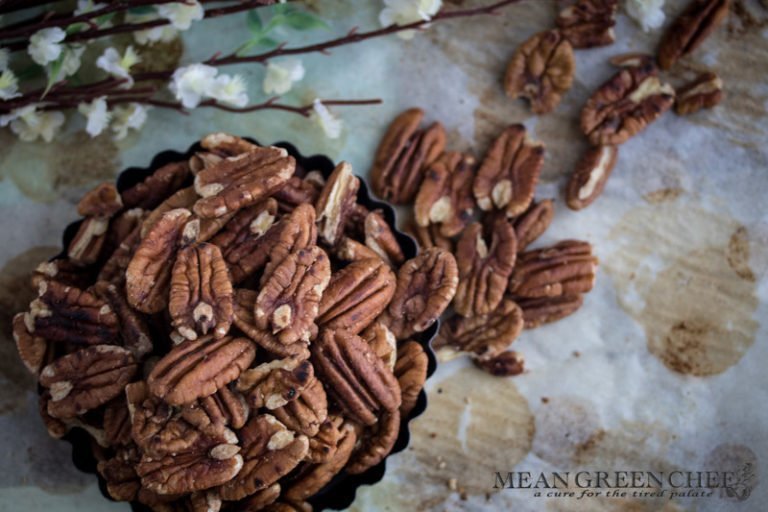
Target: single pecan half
x,y
411,372
149,272
588,23
543,310
689,30
226,407
509,172
533,222
426,286
225,144
134,331
359,381
403,154
430,236
102,201
506,364
485,336
293,233
541,70
705,91
590,176
296,192
307,411
86,379
376,443
87,244
196,369
119,473
33,350
117,422
484,271
348,249
335,202
566,268
203,160
356,295
276,383
625,104
380,238
156,187
201,295
242,180
270,451
445,197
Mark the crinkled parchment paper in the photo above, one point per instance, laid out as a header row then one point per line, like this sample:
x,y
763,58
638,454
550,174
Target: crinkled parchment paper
x,y
663,369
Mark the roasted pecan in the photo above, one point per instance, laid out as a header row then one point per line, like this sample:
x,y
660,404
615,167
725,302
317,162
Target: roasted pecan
x,y
121,227
296,192
411,372
484,271
403,154
376,443
445,197
270,451
102,201
117,422
380,238
624,105
261,499
149,415
541,70
485,336
203,160
705,91
533,222
590,176
276,383
63,271
356,295
426,285
114,268
56,428
149,272
119,472
86,379
196,369
506,364
156,187
430,237
32,349
225,144
588,23
543,310
226,407
323,446
566,268
134,332
307,411
348,249
508,175
205,501
201,298
356,377
335,202
289,299
689,30
382,341
241,181
86,246
293,233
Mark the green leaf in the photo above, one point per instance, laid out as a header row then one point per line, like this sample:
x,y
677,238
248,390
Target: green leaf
x,y
268,42
53,74
254,22
305,21
74,28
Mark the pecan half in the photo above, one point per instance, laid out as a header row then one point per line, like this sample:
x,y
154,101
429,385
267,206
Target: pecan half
x,y
533,222
32,349
201,295
590,176
270,451
119,472
117,423
509,172
351,250
114,268
376,443
86,379
293,233
705,91
276,383
102,201
225,144
334,203
689,30
411,372
322,447
242,180
380,238
226,407
196,369
86,246
588,23
485,336
163,182
543,310
403,154
134,331
356,377
356,295
426,286
307,411
430,237
506,364
624,105
382,341
63,271
541,70
202,160
149,272
484,271
445,197
566,268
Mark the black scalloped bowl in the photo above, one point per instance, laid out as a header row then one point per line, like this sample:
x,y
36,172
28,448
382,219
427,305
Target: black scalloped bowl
x,y
340,492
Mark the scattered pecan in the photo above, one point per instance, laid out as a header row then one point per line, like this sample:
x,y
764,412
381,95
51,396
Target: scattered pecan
x,y
705,91
381,240
335,202
86,246
196,369
226,407
430,237
588,23
376,443
163,182
590,176
411,372
541,70
506,364
33,350
241,181
86,379
134,331
485,336
276,383
508,175
426,286
689,30
566,268
103,201
484,271
356,377
533,222
403,154
356,295
625,105
543,310
445,197
307,411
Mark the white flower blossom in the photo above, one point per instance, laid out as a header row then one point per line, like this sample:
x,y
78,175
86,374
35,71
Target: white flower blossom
x,y
281,76
181,15
71,62
44,45
331,125
29,124
163,34
9,85
117,66
125,117
403,12
229,89
648,13
191,83
96,114
4,56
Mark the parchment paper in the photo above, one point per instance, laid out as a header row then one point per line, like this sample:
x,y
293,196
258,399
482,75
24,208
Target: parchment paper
x,y
662,369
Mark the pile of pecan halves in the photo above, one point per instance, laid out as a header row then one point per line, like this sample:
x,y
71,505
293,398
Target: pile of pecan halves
x,y
542,71
485,214
233,331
